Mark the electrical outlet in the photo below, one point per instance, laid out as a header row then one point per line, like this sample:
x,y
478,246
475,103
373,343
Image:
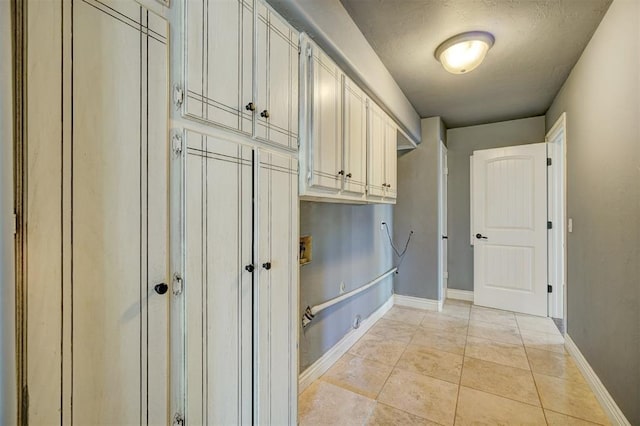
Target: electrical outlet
x,y
382,225
343,287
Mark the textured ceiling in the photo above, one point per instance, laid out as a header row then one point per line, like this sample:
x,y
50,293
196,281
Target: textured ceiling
x,y
537,44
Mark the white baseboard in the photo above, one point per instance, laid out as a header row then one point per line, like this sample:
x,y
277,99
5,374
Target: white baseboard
x,y
417,302
330,357
453,293
609,406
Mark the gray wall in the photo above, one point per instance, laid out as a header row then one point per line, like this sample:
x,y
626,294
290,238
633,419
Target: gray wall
x,y
602,100
7,282
461,143
349,247
417,210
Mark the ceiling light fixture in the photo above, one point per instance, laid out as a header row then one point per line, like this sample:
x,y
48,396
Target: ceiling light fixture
x,y
464,52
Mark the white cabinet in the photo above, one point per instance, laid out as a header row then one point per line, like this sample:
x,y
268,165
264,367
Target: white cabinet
x,y
237,81
97,242
355,138
240,300
382,162
277,80
323,150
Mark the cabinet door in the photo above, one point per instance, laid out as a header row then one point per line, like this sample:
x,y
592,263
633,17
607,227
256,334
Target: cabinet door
x,y
355,138
276,290
217,297
391,159
219,62
376,178
325,150
277,79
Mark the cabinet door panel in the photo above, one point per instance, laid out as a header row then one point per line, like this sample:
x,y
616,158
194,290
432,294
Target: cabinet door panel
x,y
391,160
118,215
217,293
277,76
325,152
219,62
276,289
376,160
355,138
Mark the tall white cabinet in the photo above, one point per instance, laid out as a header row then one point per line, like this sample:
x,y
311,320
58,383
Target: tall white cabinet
x,y
240,300
95,329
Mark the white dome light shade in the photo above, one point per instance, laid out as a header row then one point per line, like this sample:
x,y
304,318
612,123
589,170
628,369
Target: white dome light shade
x,y
464,52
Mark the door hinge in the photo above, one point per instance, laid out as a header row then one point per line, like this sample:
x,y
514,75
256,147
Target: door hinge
x,y
178,95
15,224
549,288
176,143
178,284
178,419
446,171
25,405
549,225
548,161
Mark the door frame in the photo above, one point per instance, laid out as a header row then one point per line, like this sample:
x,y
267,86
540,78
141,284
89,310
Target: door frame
x,y
443,171
556,139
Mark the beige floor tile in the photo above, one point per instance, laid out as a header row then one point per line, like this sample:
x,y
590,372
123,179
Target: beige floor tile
x,y
420,395
553,364
457,302
443,322
395,330
407,315
494,331
459,311
384,415
557,419
358,375
440,340
544,341
476,407
386,351
504,318
326,404
431,362
509,382
499,352
539,324
569,397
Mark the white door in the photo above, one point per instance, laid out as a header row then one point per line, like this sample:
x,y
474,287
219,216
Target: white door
x,y
217,297
276,290
219,63
277,79
510,208
376,183
325,154
444,172
355,138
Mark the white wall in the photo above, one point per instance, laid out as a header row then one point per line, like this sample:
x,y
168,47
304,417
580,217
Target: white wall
x,y
602,100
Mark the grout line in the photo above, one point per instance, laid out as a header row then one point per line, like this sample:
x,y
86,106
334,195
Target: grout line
x,y
464,354
532,376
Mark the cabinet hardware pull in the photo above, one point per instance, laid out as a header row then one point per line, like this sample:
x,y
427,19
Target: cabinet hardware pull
x,y
161,288
341,172
250,106
249,268
266,265
264,114
349,175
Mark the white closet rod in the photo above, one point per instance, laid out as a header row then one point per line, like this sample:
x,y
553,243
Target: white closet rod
x,y
312,311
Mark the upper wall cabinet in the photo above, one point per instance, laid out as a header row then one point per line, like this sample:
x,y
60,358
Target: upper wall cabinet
x,y
277,80
241,69
324,144
382,160
355,138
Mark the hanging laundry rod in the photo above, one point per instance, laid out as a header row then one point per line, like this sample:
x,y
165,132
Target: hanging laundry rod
x,y
312,311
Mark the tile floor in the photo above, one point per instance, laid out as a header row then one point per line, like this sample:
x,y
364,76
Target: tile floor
x,y
464,365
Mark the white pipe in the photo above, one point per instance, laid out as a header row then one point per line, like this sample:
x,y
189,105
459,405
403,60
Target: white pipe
x,y
310,312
